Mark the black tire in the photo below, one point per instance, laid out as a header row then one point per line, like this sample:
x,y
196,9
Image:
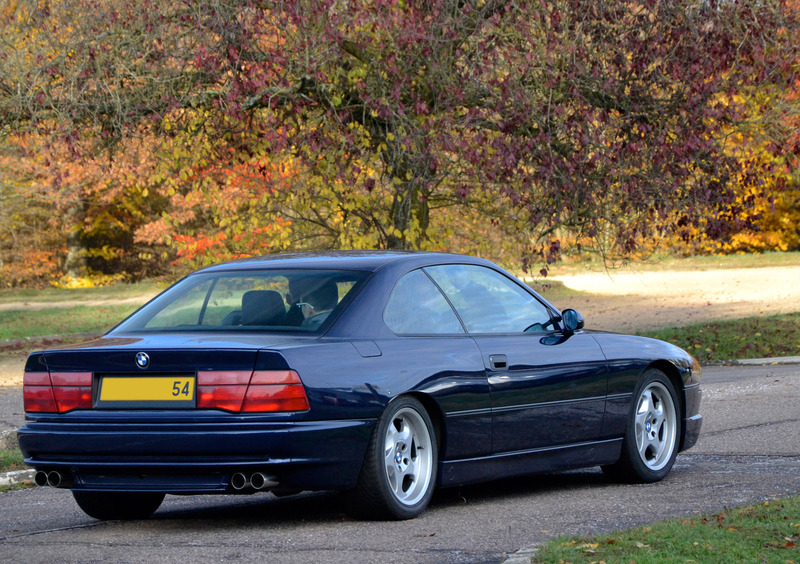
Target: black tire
x,y
118,505
399,472
652,433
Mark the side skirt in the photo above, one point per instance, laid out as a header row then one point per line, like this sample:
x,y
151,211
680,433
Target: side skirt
x,y
538,461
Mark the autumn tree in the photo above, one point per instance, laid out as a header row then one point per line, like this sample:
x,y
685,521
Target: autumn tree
x,y
602,124
66,211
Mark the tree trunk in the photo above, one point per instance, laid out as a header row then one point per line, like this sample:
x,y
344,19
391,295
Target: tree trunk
x,y
75,264
409,203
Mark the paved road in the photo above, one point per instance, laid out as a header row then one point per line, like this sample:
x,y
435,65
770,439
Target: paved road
x,y
749,451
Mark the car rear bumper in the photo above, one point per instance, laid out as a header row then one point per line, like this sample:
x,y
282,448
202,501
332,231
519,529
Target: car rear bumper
x,y
176,457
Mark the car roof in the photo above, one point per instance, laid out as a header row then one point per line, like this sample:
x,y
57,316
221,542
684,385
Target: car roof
x,y
341,260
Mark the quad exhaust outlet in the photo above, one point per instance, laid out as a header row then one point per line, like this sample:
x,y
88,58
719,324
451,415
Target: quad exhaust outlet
x,y
53,479
257,481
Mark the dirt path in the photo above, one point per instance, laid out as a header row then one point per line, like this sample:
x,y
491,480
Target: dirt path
x,y
626,302
73,303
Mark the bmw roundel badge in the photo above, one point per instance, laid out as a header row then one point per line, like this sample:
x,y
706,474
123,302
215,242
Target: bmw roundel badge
x,y
142,360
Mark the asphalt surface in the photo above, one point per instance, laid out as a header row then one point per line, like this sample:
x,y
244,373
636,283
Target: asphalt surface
x,y
749,451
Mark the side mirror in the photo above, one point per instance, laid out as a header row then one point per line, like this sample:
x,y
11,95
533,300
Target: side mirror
x,y
573,320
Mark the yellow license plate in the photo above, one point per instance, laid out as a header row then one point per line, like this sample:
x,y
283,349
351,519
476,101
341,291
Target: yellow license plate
x,y
180,388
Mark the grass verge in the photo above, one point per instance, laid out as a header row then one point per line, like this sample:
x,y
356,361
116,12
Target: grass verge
x,y
145,290
553,290
768,532
15,324
752,337
11,460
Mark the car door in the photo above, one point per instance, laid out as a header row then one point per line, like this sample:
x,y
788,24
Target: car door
x,y
547,388
432,348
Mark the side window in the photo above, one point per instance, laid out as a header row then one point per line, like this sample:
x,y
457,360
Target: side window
x,y
489,302
416,307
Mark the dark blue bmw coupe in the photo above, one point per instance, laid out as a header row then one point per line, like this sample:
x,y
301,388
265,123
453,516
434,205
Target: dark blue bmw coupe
x,y
380,374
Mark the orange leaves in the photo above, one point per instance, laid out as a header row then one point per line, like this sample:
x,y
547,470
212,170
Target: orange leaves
x,y
190,247
29,268
197,250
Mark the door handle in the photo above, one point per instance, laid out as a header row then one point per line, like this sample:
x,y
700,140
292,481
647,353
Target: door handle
x,y
498,361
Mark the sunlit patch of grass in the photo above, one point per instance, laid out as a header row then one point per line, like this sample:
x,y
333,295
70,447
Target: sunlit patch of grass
x,y
752,337
145,290
767,532
61,321
553,290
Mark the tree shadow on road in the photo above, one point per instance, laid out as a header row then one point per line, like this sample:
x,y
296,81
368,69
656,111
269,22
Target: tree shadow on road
x,y
520,486
327,507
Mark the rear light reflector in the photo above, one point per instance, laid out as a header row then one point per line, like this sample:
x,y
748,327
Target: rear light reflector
x,y
36,379
274,377
224,377
291,397
72,397
57,392
258,391
71,379
38,399
228,398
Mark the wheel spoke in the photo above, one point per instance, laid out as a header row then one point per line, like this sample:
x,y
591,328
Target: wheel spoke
x,y
395,480
391,436
388,456
644,446
641,420
404,435
657,406
411,469
646,402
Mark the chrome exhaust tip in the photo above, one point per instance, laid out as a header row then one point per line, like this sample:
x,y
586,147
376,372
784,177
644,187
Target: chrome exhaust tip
x,y
260,481
54,479
239,481
40,478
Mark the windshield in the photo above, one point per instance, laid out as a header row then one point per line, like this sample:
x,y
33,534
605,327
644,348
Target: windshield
x,y
266,300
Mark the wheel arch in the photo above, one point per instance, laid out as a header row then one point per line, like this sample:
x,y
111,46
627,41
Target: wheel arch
x,y
436,415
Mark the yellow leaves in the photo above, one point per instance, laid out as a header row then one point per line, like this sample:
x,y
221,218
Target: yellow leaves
x,y
356,74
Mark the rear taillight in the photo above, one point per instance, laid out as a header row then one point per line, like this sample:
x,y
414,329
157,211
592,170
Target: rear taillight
x,y
259,391
57,392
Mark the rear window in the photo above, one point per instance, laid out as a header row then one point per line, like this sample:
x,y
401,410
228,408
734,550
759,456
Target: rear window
x,y
291,300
